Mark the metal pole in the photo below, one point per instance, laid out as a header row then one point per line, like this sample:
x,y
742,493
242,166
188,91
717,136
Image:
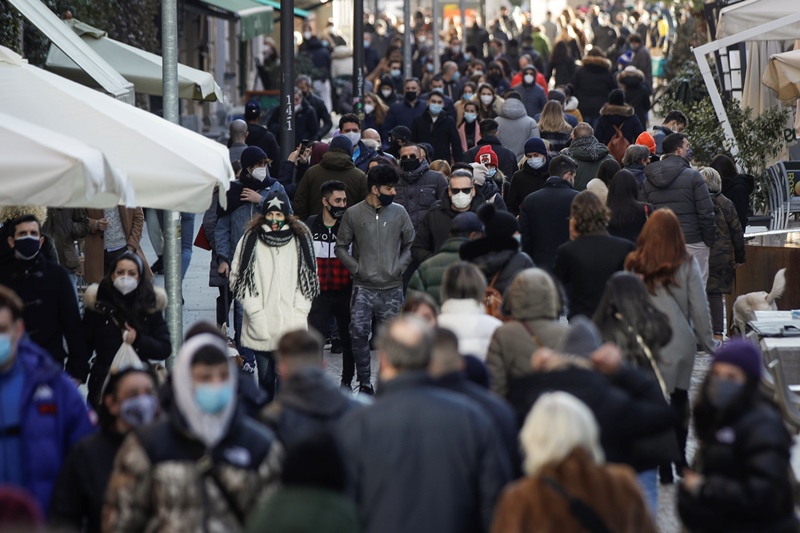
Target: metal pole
x,y
407,38
358,58
435,25
462,7
286,109
172,234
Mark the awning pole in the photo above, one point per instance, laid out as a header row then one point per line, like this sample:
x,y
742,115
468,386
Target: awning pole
x,y
172,235
407,39
358,60
287,139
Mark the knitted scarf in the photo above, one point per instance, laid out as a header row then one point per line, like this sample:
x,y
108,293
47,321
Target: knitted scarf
x,y
306,263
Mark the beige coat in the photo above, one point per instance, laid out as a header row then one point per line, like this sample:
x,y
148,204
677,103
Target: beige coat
x,y
132,225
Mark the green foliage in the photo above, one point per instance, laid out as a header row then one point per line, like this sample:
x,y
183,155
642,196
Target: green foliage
x,y
10,21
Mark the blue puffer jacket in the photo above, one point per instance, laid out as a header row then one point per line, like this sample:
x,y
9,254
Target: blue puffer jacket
x,y
54,418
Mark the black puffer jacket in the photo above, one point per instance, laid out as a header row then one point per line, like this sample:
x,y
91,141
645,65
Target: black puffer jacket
x,y
525,181
745,463
492,256
593,81
738,190
543,221
417,191
673,183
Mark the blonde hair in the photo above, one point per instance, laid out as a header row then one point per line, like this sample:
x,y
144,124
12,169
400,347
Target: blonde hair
x,y
712,179
557,424
441,166
552,118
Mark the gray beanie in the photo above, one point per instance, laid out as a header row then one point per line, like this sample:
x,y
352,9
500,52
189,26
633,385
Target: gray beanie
x,y
582,339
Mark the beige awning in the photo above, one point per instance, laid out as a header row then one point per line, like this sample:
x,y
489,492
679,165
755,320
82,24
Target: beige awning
x,y
141,68
782,75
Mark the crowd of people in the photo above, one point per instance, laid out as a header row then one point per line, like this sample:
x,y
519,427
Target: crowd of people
x,y
515,264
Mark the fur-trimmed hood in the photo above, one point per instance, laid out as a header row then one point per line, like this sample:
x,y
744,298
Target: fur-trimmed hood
x,y
620,110
90,298
631,76
596,62
13,212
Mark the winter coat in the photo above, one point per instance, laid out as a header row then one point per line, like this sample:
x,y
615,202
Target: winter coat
x,y
66,226
638,172
103,324
334,166
434,229
526,180
50,307
81,487
53,417
738,190
619,408
673,183
306,508
593,82
637,94
494,109
610,490
467,318
683,302
132,226
277,305
589,154
496,257
533,97
320,58
659,134
644,63
232,223
442,135
728,247
428,277
558,140
623,118
365,155
562,72
215,279
402,113
308,402
506,158
419,190
290,174
157,483
462,134
382,239
533,307
306,123
436,489
543,221
258,135
515,127
584,266
492,189
323,115
745,464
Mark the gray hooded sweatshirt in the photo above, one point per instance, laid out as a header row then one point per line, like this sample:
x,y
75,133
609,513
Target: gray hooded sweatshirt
x,y
515,127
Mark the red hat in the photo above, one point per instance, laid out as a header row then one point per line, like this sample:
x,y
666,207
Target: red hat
x,y
486,156
645,139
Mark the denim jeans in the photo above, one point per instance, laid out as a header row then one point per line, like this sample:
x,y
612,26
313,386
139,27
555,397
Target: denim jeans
x,y
648,481
187,240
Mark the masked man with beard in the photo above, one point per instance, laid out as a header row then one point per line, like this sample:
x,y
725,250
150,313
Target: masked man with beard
x,y
335,282
406,110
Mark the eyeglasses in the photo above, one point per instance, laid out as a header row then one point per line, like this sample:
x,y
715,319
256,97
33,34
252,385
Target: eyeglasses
x,y
465,190
407,157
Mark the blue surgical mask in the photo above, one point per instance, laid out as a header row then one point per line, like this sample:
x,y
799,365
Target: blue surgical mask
x,y
470,117
491,172
439,90
6,344
467,96
435,109
213,398
395,72
456,76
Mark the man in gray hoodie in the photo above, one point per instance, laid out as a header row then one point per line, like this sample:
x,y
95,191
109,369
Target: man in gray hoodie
x,y
382,233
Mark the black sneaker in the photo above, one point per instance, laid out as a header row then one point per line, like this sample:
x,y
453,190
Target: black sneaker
x,y
365,388
346,384
336,346
158,266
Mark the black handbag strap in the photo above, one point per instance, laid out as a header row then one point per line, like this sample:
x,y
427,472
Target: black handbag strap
x,y
579,509
208,469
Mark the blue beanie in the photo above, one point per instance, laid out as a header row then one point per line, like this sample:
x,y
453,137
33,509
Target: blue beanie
x,y
343,143
741,353
535,144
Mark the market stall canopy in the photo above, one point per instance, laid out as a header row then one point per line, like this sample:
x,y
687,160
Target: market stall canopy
x,y
169,167
782,75
751,13
41,167
141,68
254,18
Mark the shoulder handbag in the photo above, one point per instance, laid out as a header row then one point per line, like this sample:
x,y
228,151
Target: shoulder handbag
x,y
580,510
493,300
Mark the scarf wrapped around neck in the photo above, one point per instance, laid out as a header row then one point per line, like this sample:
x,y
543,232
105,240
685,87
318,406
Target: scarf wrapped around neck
x,y
306,262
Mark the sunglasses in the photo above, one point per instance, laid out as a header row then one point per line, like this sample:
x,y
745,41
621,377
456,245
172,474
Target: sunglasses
x,y
407,157
465,190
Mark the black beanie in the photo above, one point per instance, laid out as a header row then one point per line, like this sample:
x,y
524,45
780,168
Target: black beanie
x,y
499,224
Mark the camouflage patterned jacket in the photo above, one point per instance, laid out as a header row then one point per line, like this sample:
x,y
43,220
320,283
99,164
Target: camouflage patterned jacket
x,y
728,247
158,484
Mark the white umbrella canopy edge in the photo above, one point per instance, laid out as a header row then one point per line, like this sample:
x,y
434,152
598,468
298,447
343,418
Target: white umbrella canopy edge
x,y
41,167
782,75
168,166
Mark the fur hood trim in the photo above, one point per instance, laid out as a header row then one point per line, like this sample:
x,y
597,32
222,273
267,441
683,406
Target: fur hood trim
x,y
90,298
630,74
621,110
572,104
596,61
13,212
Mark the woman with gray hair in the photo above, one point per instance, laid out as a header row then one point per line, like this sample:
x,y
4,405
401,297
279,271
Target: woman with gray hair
x,y
567,486
635,159
727,253
463,287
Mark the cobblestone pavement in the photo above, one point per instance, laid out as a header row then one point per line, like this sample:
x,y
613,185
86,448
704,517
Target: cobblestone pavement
x,y
200,305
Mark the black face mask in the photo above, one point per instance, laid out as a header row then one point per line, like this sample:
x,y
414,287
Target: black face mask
x,y
410,165
410,96
336,212
386,199
26,248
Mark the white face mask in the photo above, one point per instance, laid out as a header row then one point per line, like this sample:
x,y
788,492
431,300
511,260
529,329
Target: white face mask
x,y
536,162
528,79
354,137
298,108
486,99
461,200
126,284
386,93
259,173
368,108
306,35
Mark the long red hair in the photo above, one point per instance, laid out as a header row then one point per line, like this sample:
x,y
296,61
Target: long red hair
x,y
660,251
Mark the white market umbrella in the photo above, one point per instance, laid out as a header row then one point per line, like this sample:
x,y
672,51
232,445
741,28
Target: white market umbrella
x,y
139,67
782,75
169,167
45,168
